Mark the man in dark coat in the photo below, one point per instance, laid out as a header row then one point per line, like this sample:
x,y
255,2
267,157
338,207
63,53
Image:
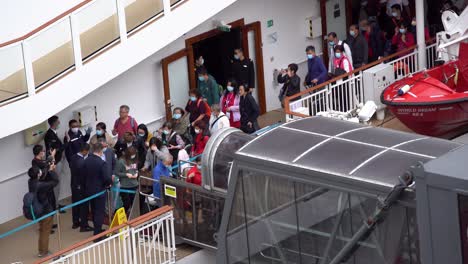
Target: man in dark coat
x,y
80,212
74,139
52,140
243,69
359,47
96,179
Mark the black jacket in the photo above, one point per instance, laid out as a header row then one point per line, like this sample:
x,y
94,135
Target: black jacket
x,y
52,141
292,85
96,176
359,50
243,72
121,146
249,109
73,146
110,161
43,188
76,168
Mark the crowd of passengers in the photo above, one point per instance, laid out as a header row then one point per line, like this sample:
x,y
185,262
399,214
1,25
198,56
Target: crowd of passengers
x,y
116,158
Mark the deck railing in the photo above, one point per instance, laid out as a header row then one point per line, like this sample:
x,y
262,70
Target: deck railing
x,y
70,40
149,238
345,92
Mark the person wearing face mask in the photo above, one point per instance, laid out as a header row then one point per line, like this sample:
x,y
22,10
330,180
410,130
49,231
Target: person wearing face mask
x,y
332,42
142,142
171,139
126,170
229,103
101,132
402,4
208,87
316,71
74,138
218,119
197,108
156,151
96,180
402,39
202,137
292,83
80,212
180,122
358,45
341,61
412,29
249,110
122,145
199,65
392,24
194,175
374,38
242,69
163,169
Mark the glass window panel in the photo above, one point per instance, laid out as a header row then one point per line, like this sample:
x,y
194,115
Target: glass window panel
x,y
51,52
283,144
349,155
326,126
138,12
271,215
183,213
224,157
12,75
431,146
208,210
236,239
98,24
381,137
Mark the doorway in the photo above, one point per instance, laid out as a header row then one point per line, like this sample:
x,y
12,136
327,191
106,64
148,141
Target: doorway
x,y
217,49
217,52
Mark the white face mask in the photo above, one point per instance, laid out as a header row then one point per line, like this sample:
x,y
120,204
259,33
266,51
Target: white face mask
x,y
154,148
197,131
75,130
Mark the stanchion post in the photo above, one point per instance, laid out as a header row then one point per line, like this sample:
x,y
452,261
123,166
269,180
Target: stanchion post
x,y
59,230
109,205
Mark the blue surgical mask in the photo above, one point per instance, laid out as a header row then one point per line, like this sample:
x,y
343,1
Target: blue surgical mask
x,y
230,88
337,55
201,78
193,98
310,56
236,57
352,33
166,132
402,30
99,132
177,116
394,14
331,43
199,167
169,167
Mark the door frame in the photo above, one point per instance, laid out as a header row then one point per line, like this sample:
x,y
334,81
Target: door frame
x,y
323,15
206,35
165,72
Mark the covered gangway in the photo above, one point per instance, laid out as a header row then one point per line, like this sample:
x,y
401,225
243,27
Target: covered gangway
x,y
301,192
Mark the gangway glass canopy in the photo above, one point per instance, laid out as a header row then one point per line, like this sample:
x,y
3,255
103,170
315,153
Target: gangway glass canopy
x,y
298,194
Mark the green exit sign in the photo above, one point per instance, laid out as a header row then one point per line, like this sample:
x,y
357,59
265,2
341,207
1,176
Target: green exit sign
x,y
270,23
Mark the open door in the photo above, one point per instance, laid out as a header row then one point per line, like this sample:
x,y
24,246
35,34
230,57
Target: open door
x,y
253,48
176,81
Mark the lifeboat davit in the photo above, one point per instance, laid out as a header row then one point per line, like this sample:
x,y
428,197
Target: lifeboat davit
x,y
433,102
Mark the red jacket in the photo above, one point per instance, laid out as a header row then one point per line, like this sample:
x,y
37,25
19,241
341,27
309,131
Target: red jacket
x,y
196,179
402,45
199,144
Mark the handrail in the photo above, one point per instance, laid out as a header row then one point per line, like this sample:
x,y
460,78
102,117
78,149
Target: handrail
x,y
132,223
287,99
48,23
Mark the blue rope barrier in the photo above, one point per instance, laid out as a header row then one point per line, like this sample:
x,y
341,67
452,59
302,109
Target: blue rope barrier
x,y
17,229
122,190
82,201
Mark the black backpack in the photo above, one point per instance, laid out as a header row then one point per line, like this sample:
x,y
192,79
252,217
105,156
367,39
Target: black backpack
x,y
32,208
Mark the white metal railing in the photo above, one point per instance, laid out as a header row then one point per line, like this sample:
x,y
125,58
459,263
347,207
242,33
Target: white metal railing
x,y
152,241
68,37
346,94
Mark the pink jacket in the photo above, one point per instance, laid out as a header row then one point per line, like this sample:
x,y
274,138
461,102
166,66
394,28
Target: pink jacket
x,y
234,108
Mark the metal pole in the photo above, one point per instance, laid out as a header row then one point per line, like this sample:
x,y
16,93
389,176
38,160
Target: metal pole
x,y
420,34
59,230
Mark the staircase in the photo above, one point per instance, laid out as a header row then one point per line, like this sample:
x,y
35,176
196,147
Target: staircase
x,y
62,61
